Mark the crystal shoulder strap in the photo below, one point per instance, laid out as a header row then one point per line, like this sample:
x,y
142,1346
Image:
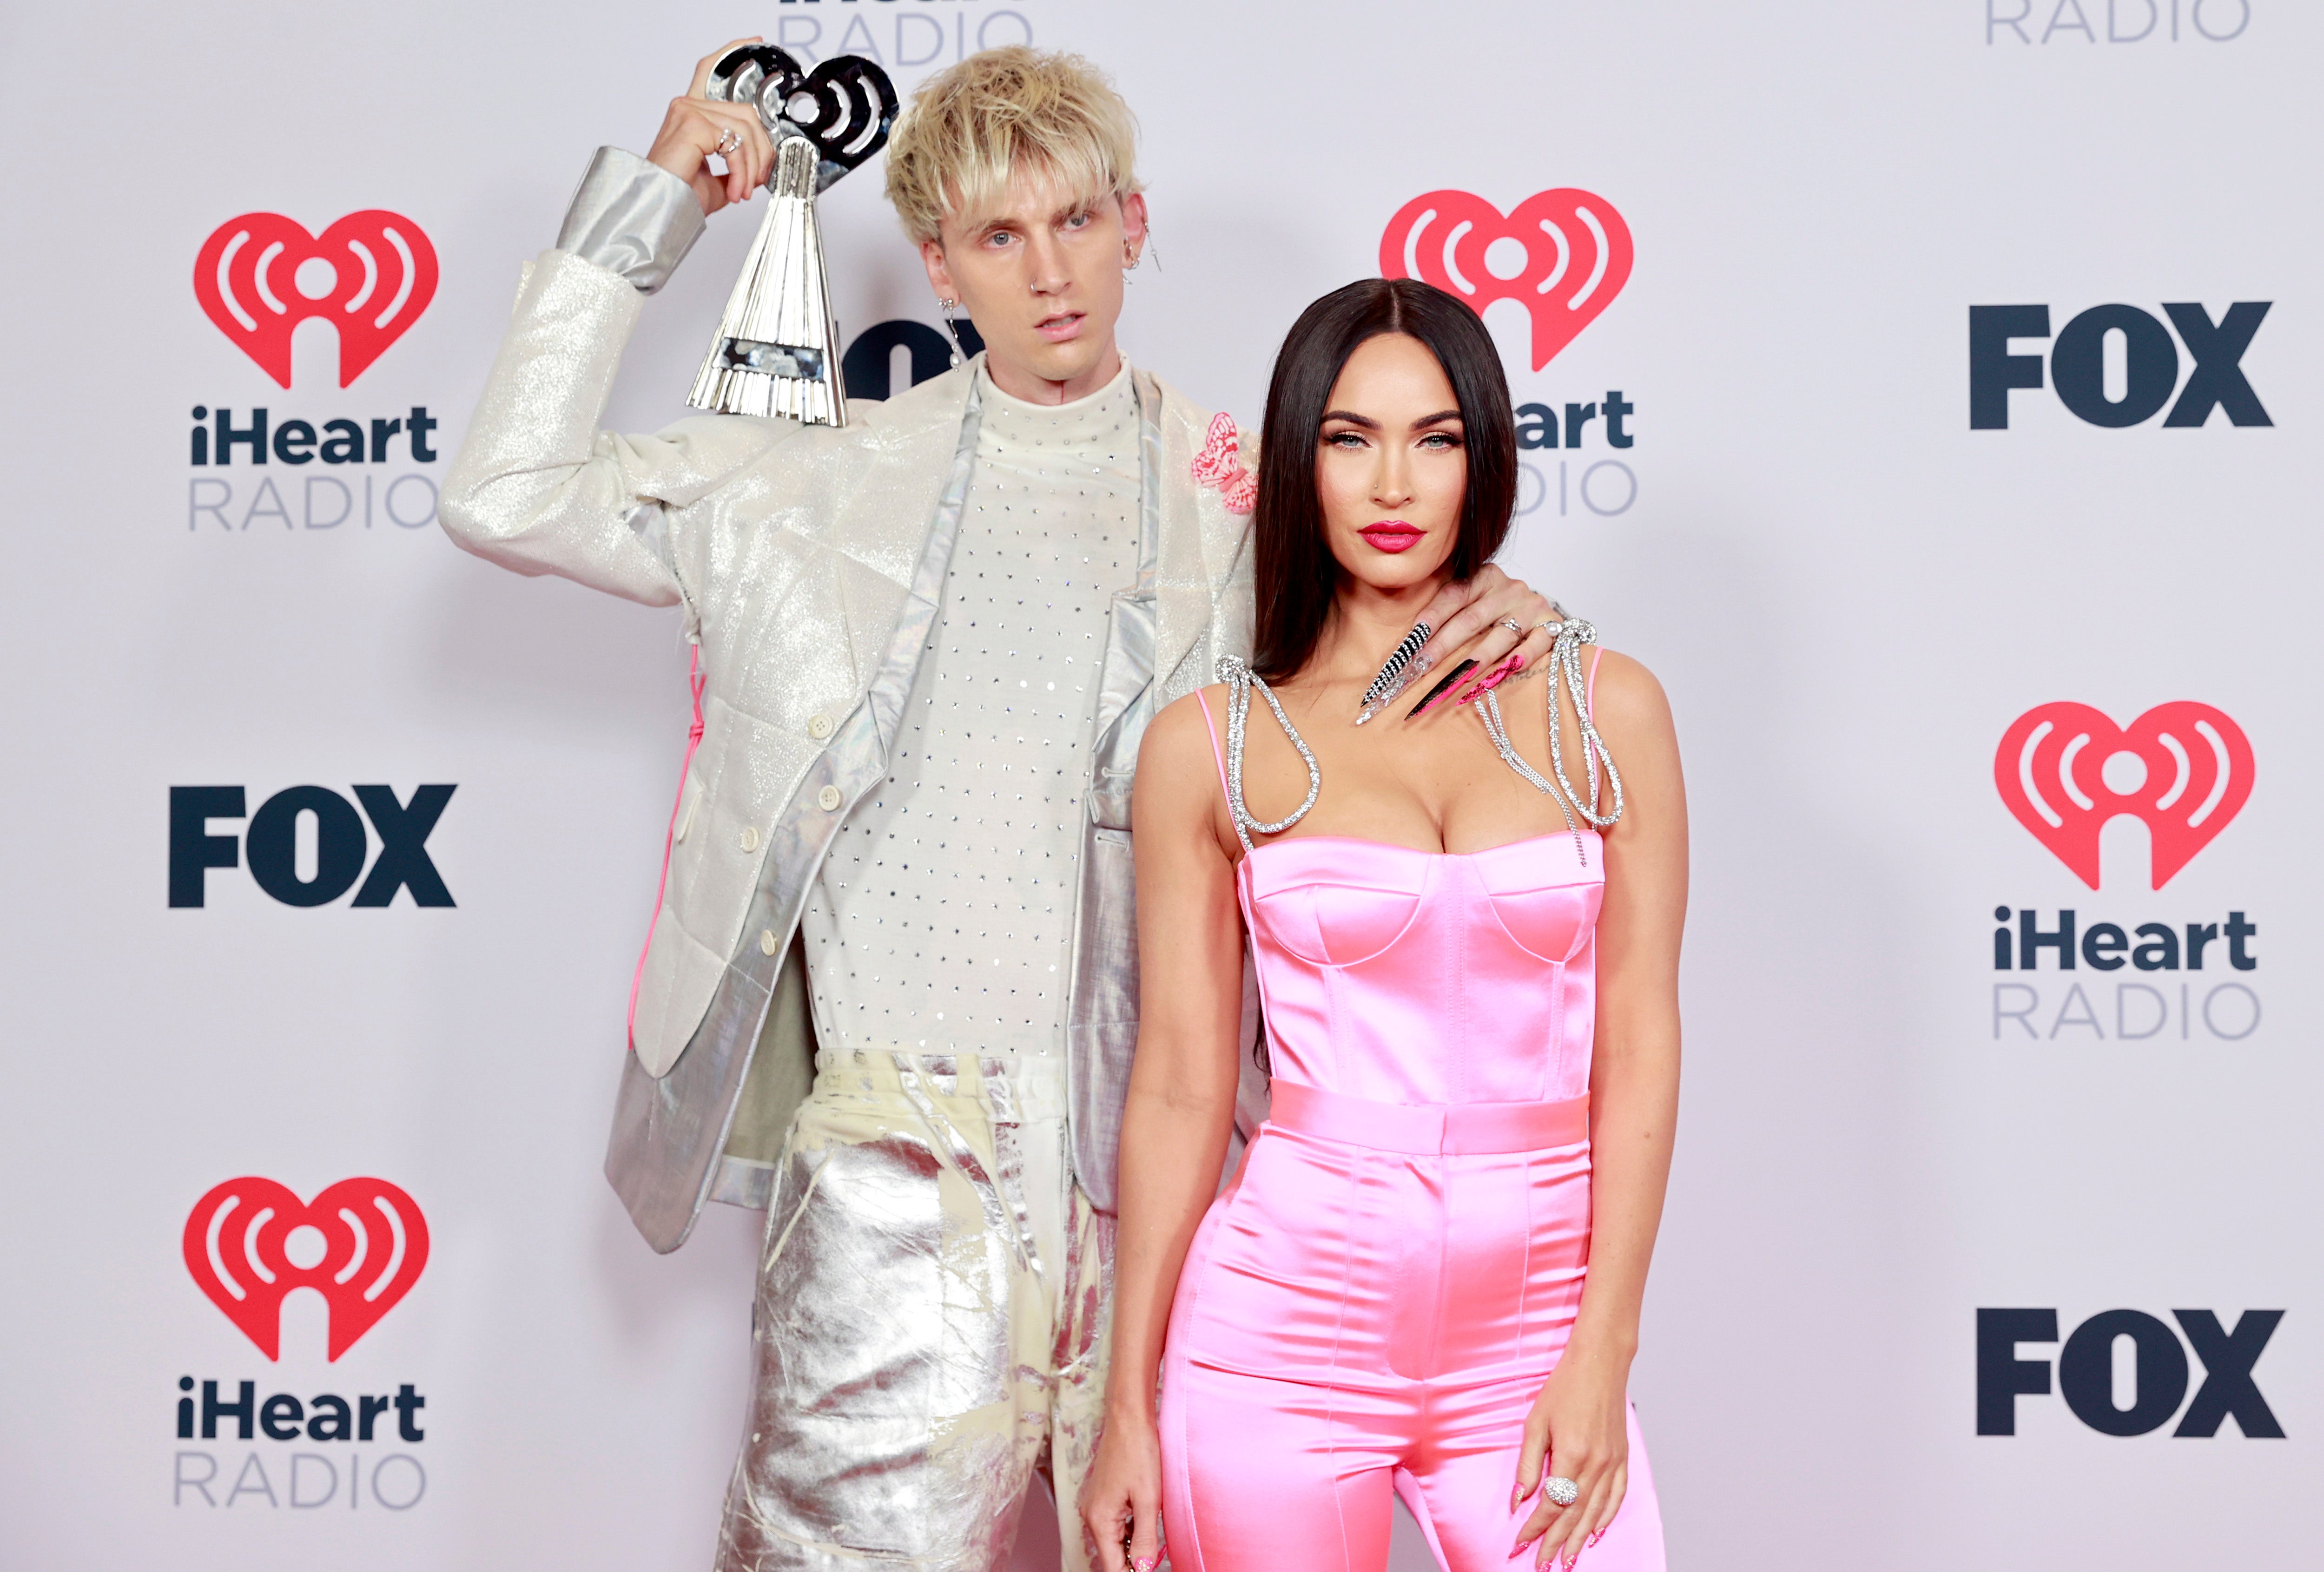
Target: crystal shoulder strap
x,y
1565,667
1236,673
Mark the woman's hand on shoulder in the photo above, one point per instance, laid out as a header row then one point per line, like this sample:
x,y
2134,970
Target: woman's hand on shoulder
x,y
694,127
1477,611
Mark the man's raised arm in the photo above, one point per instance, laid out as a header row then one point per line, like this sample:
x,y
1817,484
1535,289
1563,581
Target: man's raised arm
x,y
536,486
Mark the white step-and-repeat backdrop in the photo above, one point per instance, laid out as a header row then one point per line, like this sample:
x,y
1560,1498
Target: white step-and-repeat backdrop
x,y
1922,398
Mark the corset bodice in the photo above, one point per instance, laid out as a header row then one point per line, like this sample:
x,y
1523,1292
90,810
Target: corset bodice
x,y
1404,976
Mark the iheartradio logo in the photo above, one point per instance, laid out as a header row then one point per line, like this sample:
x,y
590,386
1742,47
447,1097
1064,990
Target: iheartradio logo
x,y
360,1244
1563,254
370,275
2066,769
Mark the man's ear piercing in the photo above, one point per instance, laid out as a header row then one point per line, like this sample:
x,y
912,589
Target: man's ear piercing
x,y
945,303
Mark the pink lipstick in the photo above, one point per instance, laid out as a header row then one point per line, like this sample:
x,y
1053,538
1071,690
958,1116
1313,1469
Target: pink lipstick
x,y
1392,535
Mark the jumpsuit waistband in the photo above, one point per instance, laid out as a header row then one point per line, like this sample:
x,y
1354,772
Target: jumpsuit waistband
x,y
1451,1130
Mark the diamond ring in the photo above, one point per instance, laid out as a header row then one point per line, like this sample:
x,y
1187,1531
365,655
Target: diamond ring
x,y
1561,1490
1514,625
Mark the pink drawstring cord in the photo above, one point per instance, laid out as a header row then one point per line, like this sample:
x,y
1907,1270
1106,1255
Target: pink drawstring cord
x,y
695,681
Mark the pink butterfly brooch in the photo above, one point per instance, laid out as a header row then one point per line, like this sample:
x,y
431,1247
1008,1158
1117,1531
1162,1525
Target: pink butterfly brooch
x,y
1220,465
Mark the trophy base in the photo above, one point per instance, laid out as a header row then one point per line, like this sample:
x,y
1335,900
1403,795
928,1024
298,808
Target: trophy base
x,y
745,376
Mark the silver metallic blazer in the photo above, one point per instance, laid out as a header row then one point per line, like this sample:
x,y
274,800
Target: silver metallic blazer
x,y
810,561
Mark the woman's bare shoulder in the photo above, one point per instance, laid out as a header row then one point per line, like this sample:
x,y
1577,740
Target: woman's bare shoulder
x,y
1625,679
1625,697
1180,739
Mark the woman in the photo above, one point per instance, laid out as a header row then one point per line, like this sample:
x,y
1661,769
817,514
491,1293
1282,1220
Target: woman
x,y
1426,1276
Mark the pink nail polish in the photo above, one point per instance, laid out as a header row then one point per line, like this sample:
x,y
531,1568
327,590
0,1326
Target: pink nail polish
x,y
1493,679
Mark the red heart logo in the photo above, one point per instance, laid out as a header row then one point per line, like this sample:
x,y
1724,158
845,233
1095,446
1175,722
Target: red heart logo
x,y
1577,256
374,1244
2185,768
370,275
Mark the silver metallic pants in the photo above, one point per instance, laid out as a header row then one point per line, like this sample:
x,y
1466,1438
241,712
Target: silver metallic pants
x,y
930,1323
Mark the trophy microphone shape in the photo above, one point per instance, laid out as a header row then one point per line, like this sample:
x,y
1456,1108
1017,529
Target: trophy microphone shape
x,y
777,351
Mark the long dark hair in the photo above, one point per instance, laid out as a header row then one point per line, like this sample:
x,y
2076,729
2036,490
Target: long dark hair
x,y
1295,572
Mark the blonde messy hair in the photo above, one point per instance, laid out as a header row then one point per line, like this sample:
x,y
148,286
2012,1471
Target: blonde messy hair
x,y
974,125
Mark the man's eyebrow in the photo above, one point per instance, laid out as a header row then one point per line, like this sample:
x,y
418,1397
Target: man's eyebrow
x,y
1365,421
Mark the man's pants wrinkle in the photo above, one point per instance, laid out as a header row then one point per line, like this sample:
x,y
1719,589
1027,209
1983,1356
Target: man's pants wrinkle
x,y
922,1337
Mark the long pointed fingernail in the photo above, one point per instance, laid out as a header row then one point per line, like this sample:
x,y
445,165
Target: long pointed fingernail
x,y
1403,664
1491,679
1442,686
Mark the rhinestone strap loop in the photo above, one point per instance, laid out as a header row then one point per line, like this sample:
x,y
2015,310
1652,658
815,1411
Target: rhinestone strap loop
x,y
1566,659
1564,664
1233,671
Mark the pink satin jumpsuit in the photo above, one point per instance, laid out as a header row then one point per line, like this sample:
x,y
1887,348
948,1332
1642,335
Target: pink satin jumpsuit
x,y
1375,1303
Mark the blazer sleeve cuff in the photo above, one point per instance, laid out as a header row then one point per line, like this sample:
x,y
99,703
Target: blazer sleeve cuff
x,y
633,218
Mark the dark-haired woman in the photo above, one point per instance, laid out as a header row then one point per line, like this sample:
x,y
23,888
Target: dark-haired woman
x,y
1425,1277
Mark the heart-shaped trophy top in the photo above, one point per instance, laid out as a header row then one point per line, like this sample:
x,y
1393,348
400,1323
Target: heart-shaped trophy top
x,y
845,106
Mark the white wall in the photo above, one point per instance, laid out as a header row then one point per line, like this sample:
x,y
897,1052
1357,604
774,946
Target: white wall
x,y
1850,593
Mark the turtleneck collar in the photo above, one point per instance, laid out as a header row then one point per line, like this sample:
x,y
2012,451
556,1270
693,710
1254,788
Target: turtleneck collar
x,y
1078,424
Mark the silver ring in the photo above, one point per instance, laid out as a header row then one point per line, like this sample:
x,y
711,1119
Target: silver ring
x,y
1560,1490
1548,622
727,143
1514,625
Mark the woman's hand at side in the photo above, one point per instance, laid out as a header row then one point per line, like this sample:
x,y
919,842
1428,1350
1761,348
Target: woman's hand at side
x,y
1124,1487
694,126
1580,1424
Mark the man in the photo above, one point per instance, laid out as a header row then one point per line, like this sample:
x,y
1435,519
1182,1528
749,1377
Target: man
x,y
931,642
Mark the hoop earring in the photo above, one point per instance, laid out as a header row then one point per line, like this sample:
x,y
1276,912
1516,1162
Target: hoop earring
x,y
945,304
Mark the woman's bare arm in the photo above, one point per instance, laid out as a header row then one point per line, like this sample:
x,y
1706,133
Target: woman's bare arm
x,y
1579,1421
1181,1102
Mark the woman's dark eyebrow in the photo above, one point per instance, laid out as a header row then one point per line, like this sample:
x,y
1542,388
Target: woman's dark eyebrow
x,y
1366,421
1436,419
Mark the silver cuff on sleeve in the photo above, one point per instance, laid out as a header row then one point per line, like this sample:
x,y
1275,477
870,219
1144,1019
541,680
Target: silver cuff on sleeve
x,y
632,218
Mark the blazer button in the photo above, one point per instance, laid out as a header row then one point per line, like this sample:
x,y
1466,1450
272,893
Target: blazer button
x,y
828,799
766,941
749,837
818,727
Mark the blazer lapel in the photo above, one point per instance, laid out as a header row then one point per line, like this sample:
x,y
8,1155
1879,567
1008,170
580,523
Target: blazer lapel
x,y
1202,607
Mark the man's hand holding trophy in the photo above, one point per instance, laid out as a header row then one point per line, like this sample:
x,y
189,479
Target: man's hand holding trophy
x,y
770,122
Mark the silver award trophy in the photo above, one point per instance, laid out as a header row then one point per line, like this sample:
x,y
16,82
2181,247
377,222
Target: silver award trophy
x,y
777,347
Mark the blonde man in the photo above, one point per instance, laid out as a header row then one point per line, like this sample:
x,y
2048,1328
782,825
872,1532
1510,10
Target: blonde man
x,y
891,990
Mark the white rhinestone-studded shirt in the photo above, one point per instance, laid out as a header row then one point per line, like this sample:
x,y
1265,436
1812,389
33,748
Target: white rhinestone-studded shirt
x,y
943,915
